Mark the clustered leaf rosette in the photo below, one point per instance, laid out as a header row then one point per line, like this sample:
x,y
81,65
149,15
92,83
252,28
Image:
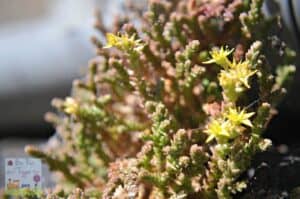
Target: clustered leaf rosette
x,y
174,108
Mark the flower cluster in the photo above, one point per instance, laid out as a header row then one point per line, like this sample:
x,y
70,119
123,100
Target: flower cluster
x,y
229,125
234,78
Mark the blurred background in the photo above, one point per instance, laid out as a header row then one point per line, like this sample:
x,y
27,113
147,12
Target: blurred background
x,y
44,45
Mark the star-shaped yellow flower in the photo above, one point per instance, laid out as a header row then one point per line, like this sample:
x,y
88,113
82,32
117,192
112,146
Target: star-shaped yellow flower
x,y
218,129
219,56
124,42
235,79
239,117
242,72
229,125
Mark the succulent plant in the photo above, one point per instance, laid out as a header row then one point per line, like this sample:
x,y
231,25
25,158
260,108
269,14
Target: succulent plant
x,y
174,104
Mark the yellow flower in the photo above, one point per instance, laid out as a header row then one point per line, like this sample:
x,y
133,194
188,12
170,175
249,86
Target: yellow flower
x,y
228,126
235,79
227,78
112,40
70,106
123,42
219,129
239,117
231,87
219,56
242,72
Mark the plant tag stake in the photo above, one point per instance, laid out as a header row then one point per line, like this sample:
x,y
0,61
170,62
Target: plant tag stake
x,y
23,173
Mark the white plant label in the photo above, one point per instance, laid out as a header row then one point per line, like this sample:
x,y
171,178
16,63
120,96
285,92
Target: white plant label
x,y
23,173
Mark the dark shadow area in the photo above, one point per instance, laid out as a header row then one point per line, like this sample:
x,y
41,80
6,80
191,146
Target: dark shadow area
x,y
42,131
283,128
